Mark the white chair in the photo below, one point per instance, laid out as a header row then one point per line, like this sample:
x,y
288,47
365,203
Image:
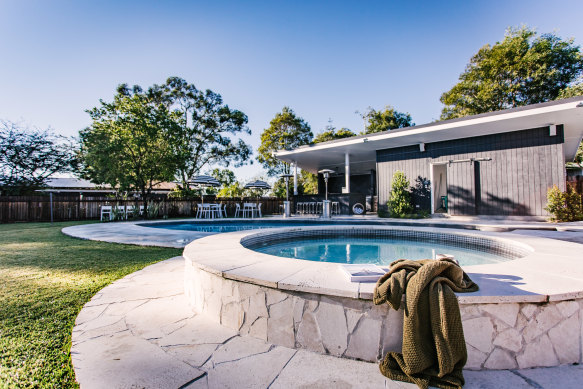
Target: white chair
x,y
129,210
259,209
203,211
237,209
335,209
248,209
224,211
106,210
206,211
215,211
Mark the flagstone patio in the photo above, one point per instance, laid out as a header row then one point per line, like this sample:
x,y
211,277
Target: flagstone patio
x,y
140,332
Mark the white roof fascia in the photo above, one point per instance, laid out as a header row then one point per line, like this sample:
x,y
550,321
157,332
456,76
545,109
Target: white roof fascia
x,y
437,127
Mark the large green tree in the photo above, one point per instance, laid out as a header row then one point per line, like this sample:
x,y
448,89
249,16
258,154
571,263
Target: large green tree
x,y
208,128
286,131
522,69
386,119
130,144
225,176
331,133
28,157
576,89
170,131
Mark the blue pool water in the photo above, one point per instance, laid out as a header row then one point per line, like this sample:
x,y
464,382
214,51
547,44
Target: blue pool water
x,y
372,250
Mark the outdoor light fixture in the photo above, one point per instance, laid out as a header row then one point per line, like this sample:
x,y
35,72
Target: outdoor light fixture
x,y
326,173
552,130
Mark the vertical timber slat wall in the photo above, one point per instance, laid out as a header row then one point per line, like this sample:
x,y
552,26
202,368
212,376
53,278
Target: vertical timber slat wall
x,y
524,165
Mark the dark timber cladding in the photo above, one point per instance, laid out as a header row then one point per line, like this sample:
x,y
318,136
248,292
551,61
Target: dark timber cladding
x,y
524,164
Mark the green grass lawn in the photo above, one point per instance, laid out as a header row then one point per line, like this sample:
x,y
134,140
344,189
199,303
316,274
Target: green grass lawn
x,y
45,278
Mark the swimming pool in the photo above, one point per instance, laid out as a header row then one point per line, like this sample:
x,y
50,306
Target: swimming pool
x,y
229,226
372,250
221,225
232,226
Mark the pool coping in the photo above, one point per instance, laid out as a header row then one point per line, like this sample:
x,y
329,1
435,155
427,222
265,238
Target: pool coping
x,y
135,232
528,279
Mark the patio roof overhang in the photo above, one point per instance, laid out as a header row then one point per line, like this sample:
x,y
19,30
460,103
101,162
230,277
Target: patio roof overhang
x,y
362,149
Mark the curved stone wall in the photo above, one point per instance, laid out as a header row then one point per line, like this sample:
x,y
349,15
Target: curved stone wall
x,y
498,336
311,308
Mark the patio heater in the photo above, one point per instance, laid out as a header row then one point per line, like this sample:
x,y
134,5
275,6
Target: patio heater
x,y
326,203
286,203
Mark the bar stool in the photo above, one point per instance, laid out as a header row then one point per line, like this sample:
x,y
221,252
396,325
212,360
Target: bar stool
x,y
335,209
319,207
299,208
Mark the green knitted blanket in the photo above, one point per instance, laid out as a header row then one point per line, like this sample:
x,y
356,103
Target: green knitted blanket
x,y
434,348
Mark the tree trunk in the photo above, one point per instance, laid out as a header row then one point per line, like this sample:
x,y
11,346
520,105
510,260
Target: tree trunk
x,y
145,201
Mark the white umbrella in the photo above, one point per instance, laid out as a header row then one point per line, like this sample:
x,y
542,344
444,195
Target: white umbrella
x,y
257,184
203,181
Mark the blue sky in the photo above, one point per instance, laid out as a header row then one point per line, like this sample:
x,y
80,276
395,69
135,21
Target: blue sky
x,y
324,59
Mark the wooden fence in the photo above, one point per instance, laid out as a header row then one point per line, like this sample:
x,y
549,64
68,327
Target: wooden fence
x,y
64,208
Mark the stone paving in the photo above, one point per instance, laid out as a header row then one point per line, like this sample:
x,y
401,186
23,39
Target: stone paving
x,y
140,332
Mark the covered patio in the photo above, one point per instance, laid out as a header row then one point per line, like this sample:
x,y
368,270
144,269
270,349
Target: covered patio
x,y
497,163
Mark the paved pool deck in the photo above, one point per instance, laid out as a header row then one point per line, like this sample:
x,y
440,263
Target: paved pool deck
x,y
139,332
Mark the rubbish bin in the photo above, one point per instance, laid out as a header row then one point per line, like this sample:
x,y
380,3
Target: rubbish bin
x,y
287,209
326,209
444,202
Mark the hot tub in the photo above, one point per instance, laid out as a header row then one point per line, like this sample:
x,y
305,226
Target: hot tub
x,y
526,314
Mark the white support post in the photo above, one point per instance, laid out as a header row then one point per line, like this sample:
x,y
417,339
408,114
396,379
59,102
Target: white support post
x,y
295,179
346,173
432,192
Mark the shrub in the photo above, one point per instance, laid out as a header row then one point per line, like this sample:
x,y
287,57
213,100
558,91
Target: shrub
x,y
117,213
564,206
399,203
135,212
153,209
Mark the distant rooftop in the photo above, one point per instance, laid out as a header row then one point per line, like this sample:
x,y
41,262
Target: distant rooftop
x,y
72,184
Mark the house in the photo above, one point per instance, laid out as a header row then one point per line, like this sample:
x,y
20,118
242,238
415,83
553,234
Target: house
x,y
497,163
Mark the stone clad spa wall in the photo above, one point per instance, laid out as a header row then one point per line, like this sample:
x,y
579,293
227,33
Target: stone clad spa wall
x,y
498,336
512,335
337,326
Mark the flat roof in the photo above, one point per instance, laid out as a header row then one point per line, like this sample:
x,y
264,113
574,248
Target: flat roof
x,y
362,148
